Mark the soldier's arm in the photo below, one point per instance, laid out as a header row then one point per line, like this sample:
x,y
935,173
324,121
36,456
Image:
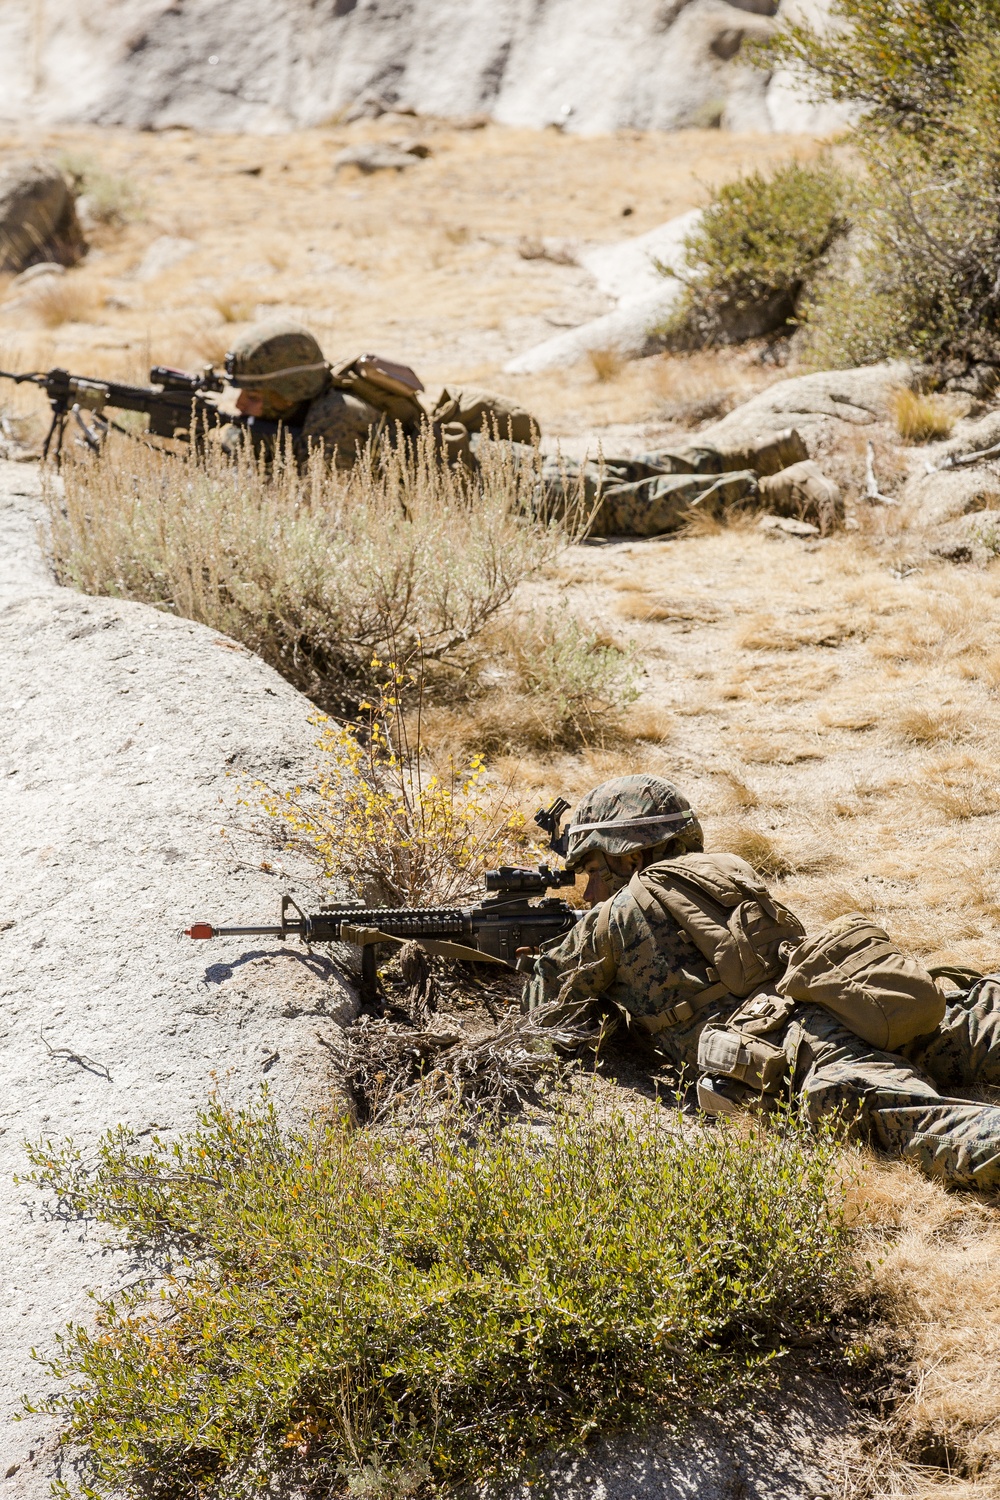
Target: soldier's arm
x,y
578,969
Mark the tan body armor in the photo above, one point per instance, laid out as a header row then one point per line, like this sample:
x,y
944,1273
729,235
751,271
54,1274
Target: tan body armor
x,y
757,951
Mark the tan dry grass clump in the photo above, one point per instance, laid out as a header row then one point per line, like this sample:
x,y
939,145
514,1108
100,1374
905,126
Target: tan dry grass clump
x,y
929,1261
64,299
318,571
920,418
607,364
234,304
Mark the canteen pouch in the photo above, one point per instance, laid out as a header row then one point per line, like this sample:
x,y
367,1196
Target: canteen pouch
x,y
854,970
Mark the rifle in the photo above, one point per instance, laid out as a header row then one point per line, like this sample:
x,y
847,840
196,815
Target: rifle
x,y
176,402
492,931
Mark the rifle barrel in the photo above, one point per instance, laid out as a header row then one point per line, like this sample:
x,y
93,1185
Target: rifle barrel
x,y
206,930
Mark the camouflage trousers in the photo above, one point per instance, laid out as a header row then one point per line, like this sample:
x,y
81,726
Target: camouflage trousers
x,y
900,1103
645,496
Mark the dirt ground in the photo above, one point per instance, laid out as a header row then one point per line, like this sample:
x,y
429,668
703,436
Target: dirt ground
x,y
830,705
422,265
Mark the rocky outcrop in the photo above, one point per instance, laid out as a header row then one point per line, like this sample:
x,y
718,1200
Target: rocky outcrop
x,y
273,64
815,405
637,274
121,726
37,217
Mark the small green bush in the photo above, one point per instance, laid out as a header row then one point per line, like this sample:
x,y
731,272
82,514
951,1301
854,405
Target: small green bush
x,y
759,242
334,1308
111,200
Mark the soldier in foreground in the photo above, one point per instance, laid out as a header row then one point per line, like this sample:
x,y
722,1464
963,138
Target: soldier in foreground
x,y
692,952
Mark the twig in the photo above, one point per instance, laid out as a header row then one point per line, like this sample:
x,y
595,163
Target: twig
x,y
958,460
872,492
68,1055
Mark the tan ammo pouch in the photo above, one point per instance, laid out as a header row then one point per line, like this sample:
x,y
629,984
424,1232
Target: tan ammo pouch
x,y
744,1047
854,970
749,1059
726,911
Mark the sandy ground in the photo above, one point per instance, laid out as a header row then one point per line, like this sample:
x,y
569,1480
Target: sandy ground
x,y
422,265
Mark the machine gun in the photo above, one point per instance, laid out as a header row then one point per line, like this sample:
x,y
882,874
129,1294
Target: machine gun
x,y
506,925
176,402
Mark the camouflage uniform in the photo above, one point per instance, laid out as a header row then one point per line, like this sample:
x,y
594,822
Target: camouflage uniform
x,y
656,492
645,496
892,1100
343,408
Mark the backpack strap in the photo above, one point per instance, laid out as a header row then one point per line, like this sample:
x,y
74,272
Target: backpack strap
x,y
671,1015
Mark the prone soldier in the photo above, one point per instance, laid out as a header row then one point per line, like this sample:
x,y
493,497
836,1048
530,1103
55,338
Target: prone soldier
x,y
691,951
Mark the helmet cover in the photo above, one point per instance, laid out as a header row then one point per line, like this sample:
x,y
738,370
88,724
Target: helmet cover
x,y
278,357
632,812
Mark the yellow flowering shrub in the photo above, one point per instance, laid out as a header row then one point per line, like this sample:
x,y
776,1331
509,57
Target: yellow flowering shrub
x,y
382,819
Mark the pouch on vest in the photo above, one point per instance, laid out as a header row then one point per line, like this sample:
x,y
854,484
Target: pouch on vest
x,y
856,972
726,911
751,1060
383,391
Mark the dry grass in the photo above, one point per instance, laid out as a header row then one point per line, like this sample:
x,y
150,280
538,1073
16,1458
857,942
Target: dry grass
x,y
920,418
767,632
235,304
315,570
929,1264
607,364
64,299
923,724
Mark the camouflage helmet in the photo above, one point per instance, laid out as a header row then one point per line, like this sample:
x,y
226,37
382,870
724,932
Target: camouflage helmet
x,y
279,358
631,812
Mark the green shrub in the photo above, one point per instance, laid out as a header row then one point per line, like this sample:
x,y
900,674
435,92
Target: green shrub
x,y
759,242
548,680
927,281
925,78
900,65
333,1307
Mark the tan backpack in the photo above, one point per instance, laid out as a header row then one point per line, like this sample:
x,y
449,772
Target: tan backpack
x,y
726,911
854,970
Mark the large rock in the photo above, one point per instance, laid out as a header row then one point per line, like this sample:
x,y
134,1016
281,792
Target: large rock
x,y
630,272
817,406
580,64
37,217
121,726
969,539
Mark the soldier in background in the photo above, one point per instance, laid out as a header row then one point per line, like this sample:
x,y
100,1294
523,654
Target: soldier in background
x,y
283,378
630,962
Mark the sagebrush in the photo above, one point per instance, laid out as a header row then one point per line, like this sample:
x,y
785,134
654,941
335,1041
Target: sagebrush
x,y
760,241
328,1305
315,570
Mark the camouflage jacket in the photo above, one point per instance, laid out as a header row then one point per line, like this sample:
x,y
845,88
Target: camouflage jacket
x,y
642,977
